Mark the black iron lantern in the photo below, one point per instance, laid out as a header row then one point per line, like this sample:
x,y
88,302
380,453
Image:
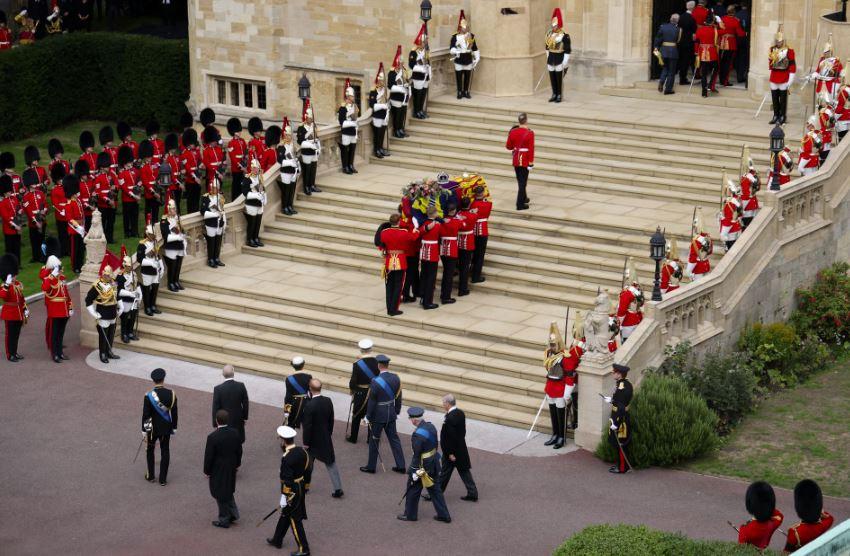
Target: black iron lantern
x,y
425,11
165,176
657,247
777,145
303,87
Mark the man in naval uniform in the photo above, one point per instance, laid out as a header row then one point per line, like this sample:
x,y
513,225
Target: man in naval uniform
x,y
159,422
297,393
620,424
419,61
382,410
362,372
296,472
558,49
667,46
424,470
464,52
102,304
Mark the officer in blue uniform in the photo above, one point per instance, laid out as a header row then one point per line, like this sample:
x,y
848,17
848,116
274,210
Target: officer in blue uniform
x,y
667,43
424,469
297,393
381,413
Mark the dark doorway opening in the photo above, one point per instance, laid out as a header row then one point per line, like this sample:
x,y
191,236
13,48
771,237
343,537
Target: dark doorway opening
x,y
661,12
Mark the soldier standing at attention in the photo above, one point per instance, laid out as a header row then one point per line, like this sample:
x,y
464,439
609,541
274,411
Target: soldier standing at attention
x,y
814,521
465,55
481,208
296,471
102,304
14,310
379,102
419,61
309,149
381,414
558,48
159,422
347,115
620,433
424,469
521,144
297,393
362,372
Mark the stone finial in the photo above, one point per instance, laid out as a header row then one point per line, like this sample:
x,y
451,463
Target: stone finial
x,y
95,241
596,330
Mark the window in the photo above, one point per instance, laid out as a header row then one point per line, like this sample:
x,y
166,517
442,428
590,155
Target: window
x,y
240,92
222,92
234,93
249,98
356,85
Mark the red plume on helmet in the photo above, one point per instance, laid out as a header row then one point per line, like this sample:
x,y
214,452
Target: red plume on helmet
x,y
462,19
109,259
397,59
167,198
556,14
346,88
378,75
420,36
147,220
285,127
123,252
306,110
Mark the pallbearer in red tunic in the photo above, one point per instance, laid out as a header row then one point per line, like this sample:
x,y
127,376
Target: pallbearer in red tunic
x,y
630,304
750,186
106,192
465,245
131,192
237,153
671,272
705,47
14,311
57,301
172,158
148,175
814,521
481,208
521,144
449,252
730,218
761,504
700,250
394,242
730,31
783,66
810,148
429,256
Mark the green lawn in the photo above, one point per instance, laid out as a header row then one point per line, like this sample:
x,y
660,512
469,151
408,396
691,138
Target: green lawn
x,y
794,434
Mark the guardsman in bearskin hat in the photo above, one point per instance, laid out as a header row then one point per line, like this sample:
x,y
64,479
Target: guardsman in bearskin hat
x,y
35,209
32,158
86,143
362,372
783,67
379,103
57,301
761,504
750,186
419,61
700,250
630,304
212,156
159,422
558,49
148,174
347,115
810,148
296,471
481,207
309,149
399,83
7,167
707,56
620,424
237,153
174,236
106,136
186,122
102,304
424,469
131,191
272,140
5,33
215,222
730,216
190,164
150,268
255,196
14,311
75,214
57,153
83,172
671,272
152,131
297,393
10,213
106,191
257,143
58,199
289,169
125,135
814,521
172,158
827,76
465,55
129,297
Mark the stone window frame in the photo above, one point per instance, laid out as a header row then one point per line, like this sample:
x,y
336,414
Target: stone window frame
x,y
259,88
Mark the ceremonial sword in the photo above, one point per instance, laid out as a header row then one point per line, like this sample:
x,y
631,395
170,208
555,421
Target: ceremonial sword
x,y
268,515
536,417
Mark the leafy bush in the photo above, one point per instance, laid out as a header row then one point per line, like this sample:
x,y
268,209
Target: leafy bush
x,y
631,540
824,309
778,357
107,76
670,424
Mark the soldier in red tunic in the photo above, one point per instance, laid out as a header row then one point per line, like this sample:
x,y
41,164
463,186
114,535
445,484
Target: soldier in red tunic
x,y
57,301
705,47
83,173
131,193
429,256
786,164
190,162
750,186
761,504
14,311
842,107
700,250
106,193
152,129
32,157
257,143
86,143
7,167
57,152
814,521
671,272
826,119
561,366
730,32
629,307
106,137
213,156
237,153
172,158
810,148
449,251
35,209
481,208
76,221
5,33
783,67
148,174
411,253
10,214
125,134
730,218
465,245
521,144
700,13
394,243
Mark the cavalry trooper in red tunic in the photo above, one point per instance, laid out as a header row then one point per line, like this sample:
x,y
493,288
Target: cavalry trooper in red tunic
x,y
842,107
786,165
561,378
826,119
750,186
730,217
629,307
671,272
700,250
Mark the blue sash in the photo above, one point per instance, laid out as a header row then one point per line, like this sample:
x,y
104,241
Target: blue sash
x,y
294,383
426,434
365,368
386,387
157,405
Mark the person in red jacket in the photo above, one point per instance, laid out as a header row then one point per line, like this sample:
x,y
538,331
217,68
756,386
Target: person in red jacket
x,y
705,47
465,246
86,143
9,213
32,157
172,158
814,521
761,504
783,67
481,208
125,134
130,193
429,256
561,367
76,221
82,171
190,163
449,252
57,300
34,206
148,174
237,153
411,253
700,250
57,153
730,31
394,241
213,156
521,144
7,167
272,139
257,143
106,194
810,148
630,303
14,310
700,13
152,129
671,272
106,137
5,33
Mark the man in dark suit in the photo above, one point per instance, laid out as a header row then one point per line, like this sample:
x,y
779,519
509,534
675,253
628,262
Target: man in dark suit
x,y
318,426
233,397
222,457
686,45
742,58
455,452
159,422
381,413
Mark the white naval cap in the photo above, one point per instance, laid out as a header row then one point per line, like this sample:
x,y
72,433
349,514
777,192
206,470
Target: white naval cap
x,y
365,343
297,360
287,433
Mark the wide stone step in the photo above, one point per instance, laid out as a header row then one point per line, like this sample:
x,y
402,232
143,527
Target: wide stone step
x,y
723,99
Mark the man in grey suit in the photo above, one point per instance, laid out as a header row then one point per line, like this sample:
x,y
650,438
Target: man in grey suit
x,y
667,43
233,397
318,427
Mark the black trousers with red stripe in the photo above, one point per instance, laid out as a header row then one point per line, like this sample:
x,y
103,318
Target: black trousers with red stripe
x,y
464,262
56,334
78,252
621,446
449,264
13,246
395,282
13,332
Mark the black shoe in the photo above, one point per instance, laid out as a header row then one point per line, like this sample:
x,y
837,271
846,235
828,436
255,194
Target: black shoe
x,y
551,440
354,170
403,517
286,211
259,243
660,86
463,294
13,359
448,301
614,469
337,494
398,469
148,311
64,357
479,281
469,498
250,243
57,359
467,95
395,313
774,120
163,483
274,544
179,287
221,524
704,93
307,191
292,211
523,207
669,92
219,263
210,263
19,356
172,287
352,440
443,519
408,299
426,497
430,306
156,310
150,479
113,356
367,470
459,95
558,99
103,358
125,339
384,152
559,444
377,154
552,98
781,120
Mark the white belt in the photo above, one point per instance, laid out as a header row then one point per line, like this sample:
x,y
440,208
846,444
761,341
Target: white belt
x,y
522,150
482,220
449,239
429,242
464,233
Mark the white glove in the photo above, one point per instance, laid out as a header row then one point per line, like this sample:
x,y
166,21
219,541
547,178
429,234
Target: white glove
x,y
55,271
613,427
9,279
414,476
791,78
607,399
26,313
93,312
530,167
80,230
282,500
814,75
71,313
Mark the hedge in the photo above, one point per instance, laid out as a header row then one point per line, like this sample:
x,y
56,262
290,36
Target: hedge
x,y
630,540
98,76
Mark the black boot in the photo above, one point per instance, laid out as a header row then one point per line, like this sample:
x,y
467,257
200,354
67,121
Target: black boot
x,y
178,267
218,241
290,198
562,422
153,295
554,83
774,97
169,273
559,79
783,106
459,81
554,417
352,149
210,251
146,300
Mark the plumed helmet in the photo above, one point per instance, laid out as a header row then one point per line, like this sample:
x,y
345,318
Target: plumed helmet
x,y
31,154
71,185
255,125
152,128
106,135
81,168
57,172
808,501
54,147
211,134
9,265
760,500
30,177
190,137
103,160
171,142
273,136
145,149
234,126
86,140
207,117
5,184
7,161
125,155
123,129
186,120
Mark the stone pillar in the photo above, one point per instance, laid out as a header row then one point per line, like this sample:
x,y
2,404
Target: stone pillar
x,y
95,241
595,377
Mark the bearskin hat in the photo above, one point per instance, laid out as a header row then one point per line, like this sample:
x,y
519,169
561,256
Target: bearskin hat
x,y
31,154
186,120
103,160
30,176
207,117
152,128
123,129
54,147
81,168
760,500
51,247
273,136
808,501
71,185
57,172
171,142
211,135
125,155
5,184
9,265
7,161
3,19
86,140
190,137
106,135
255,125
145,149
234,126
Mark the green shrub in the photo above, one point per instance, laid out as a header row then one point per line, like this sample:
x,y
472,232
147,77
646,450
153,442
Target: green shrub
x,y
777,356
631,540
670,424
823,311
80,76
